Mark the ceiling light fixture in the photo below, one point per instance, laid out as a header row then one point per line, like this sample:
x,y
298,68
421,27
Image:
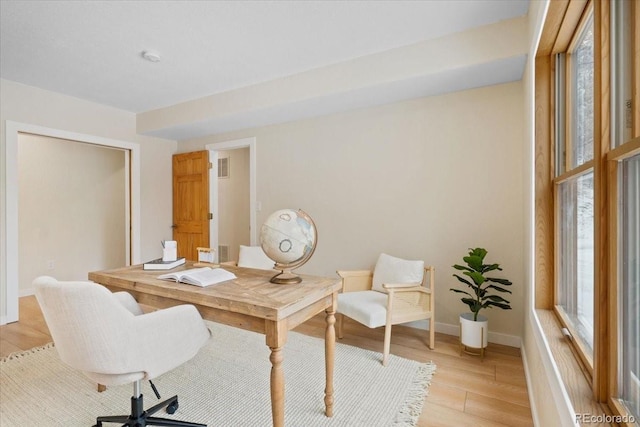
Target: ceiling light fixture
x,y
151,56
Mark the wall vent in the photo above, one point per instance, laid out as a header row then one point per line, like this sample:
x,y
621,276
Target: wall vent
x,y
223,253
223,167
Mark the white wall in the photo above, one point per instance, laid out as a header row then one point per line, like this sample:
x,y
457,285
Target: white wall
x,y
69,192
233,202
25,104
421,179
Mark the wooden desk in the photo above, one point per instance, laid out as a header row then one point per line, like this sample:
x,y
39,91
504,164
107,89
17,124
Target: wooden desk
x,y
249,302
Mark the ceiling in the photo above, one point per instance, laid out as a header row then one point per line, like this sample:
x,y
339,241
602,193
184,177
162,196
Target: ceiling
x,y
92,50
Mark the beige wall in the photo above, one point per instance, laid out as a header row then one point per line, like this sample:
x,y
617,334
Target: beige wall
x,y
421,179
25,104
69,192
233,202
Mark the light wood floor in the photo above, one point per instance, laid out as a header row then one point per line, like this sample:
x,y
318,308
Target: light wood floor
x,y
464,391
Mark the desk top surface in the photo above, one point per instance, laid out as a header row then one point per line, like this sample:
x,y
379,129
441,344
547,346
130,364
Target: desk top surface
x,y
251,293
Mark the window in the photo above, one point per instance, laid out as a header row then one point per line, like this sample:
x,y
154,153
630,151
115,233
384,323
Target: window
x,y
621,53
629,232
588,188
625,159
575,187
575,290
580,86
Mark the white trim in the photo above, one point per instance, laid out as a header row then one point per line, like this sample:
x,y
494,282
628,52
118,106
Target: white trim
x,y
12,129
454,330
213,204
27,292
527,376
554,379
11,221
494,337
213,183
127,207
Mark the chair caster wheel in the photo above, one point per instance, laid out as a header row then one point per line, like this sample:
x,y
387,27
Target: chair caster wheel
x,y
171,409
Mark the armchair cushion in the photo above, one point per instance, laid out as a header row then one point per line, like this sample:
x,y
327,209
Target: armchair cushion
x,y
254,257
390,269
366,307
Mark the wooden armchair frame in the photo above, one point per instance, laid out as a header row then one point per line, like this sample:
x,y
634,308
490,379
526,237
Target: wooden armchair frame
x,y
405,302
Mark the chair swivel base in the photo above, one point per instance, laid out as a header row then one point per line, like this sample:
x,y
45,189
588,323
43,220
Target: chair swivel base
x,y
141,418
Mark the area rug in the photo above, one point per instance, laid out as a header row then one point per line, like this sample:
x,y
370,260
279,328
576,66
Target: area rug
x,y
226,384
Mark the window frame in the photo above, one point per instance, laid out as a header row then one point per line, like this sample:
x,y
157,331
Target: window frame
x,y
569,172
614,159
562,20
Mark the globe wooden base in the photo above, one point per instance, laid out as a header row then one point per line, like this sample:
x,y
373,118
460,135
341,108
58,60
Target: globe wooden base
x,y
286,278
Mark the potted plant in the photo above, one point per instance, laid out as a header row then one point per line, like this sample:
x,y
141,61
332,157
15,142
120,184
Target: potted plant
x,y
481,294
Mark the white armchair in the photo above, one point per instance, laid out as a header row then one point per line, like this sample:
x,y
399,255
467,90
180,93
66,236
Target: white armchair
x,y
397,291
108,337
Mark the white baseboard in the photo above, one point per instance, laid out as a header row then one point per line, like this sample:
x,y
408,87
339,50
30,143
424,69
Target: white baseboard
x,y
26,292
21,293
527,375
494,337
448,329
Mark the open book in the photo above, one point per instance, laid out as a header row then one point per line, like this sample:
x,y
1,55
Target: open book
x,y
204,276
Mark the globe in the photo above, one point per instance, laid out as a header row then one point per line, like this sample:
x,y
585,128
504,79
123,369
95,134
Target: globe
x,y
289,238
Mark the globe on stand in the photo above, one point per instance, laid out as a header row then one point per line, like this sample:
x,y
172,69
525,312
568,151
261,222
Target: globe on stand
x,y
289,238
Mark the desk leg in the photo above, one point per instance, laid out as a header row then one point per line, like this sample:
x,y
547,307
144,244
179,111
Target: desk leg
x,y
276,334
277,387
329,351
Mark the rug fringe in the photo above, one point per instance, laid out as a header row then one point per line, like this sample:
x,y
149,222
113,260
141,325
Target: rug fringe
x,y
21,354
414,400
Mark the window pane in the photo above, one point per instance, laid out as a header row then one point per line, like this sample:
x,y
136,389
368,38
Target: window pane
x,y
560,114
581,86
621,57
630,283
576,254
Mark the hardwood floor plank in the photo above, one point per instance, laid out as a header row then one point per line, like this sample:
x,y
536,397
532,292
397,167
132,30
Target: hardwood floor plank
x,y
498,410
511,375
23,336
6,348
445,395
487,387
441,416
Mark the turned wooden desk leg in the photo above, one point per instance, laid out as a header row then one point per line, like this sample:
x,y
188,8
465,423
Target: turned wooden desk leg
x,y
276,334
329,353
277,386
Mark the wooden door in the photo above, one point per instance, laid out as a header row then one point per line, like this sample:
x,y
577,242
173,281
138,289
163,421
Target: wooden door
x,y
191,202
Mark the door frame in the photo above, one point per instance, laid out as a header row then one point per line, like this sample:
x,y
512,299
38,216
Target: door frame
x,y
9,276
213,185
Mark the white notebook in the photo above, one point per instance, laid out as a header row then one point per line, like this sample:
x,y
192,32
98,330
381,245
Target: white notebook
x,y
204,276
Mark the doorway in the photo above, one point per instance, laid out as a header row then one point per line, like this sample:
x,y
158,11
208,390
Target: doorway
x,y
10,261
73,209
233,196
233,202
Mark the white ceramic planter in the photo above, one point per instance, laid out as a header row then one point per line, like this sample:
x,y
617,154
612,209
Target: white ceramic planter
x,y
474,334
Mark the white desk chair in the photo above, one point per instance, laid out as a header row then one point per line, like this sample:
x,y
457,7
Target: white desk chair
x,y
107,336
253,257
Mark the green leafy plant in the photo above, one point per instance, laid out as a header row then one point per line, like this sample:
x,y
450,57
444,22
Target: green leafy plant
x,y
482,293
